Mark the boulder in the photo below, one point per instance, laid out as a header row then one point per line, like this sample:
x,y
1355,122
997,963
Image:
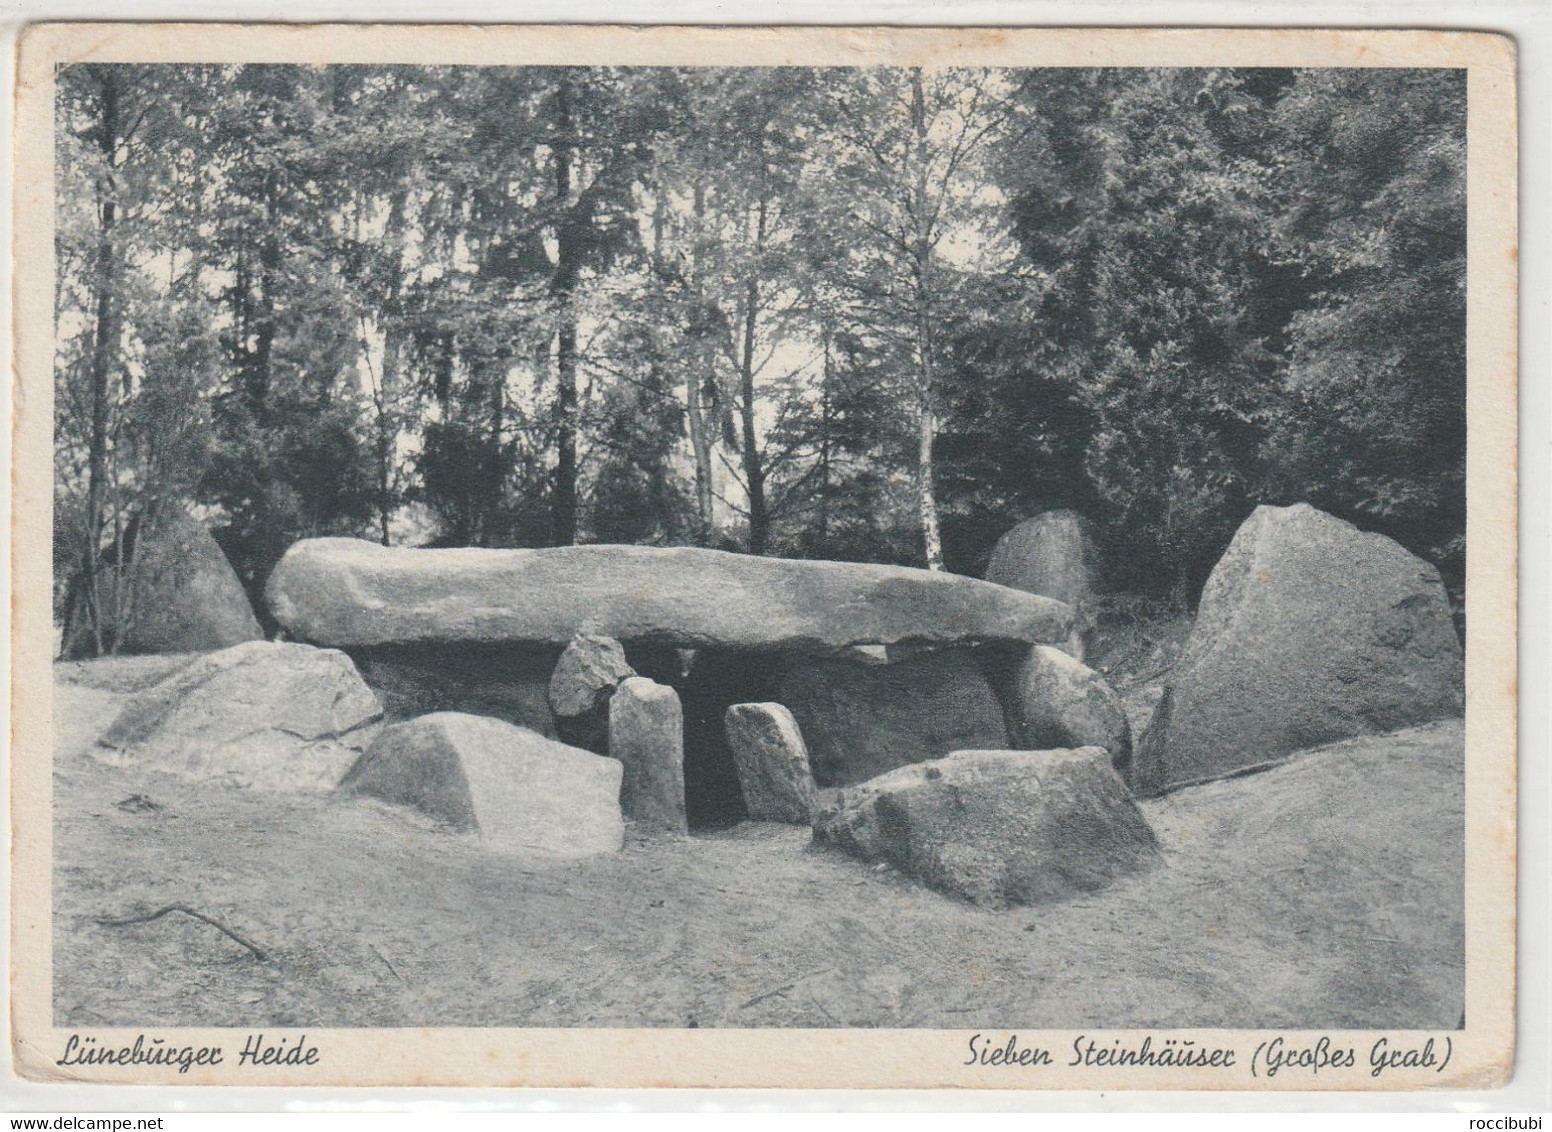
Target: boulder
x,y
182,595
268,714
997,827
510,682
517,790
772,762
1060,702
584,679
1309,630
587,674
646,734
860,720
1051,554
350,592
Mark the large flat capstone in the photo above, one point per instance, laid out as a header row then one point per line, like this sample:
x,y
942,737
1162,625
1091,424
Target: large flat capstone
x,y
350,592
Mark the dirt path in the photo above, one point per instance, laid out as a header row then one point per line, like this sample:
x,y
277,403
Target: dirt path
x,y
1324,893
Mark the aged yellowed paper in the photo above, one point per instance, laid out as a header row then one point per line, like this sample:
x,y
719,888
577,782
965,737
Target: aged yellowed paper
x,y
764,557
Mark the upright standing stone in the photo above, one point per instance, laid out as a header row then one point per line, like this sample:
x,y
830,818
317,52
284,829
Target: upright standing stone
x,y
772,762
1052,555
646,733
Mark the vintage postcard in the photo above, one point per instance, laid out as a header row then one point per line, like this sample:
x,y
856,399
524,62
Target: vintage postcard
x,y
827,558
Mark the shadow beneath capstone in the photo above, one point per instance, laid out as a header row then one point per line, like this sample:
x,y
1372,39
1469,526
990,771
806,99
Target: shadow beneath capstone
x,y
505,681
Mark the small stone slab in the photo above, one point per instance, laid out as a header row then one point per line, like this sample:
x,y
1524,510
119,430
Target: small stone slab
x,y
772,762
646,734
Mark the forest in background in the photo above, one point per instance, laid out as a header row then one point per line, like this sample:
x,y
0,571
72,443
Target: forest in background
x,y
867,314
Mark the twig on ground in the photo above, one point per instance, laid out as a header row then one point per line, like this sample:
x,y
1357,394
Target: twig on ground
x,y
391,968
1139,681
783,989
258,952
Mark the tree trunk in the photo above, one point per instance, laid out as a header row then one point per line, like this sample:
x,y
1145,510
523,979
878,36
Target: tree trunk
x,y
702,361
926,496
700,446
563,495
393,367
104,351
564,499
825,418
258,376
754,464
926,413
386,427
496,482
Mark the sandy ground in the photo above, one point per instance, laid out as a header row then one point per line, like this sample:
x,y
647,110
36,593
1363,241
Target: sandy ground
x,y
1324,893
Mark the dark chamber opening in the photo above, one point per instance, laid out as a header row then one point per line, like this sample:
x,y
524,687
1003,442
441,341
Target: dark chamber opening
x,y
715,681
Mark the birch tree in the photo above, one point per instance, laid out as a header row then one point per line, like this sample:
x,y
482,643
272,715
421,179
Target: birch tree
x,y
911,147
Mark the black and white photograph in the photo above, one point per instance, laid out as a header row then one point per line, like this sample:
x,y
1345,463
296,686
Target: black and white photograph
x,y
780,541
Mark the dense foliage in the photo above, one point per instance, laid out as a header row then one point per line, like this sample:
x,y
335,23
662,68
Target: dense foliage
x,y
873,314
